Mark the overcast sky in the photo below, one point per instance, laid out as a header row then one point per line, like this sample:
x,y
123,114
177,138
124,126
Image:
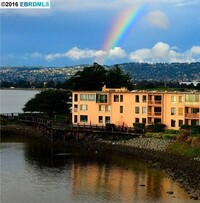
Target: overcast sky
x,y
75,32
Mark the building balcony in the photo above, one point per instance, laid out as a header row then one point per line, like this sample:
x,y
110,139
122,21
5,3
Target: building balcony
x,y
192,104
192,116
155,102
155,114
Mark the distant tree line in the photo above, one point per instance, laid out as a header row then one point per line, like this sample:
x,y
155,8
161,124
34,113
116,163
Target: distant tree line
x,y
94,77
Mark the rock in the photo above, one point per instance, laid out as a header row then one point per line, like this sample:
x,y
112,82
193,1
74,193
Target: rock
x,y
142,185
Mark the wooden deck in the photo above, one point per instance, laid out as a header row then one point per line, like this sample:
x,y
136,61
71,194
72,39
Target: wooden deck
x,y
74,128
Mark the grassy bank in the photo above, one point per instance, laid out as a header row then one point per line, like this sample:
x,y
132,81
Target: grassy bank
x,y
184,149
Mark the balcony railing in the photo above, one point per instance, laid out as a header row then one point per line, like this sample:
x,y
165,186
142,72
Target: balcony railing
x,y
156,102
154,113
75,109
192,115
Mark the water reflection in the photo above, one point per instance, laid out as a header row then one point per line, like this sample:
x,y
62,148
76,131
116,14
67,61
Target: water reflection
x,y
45,174
119,184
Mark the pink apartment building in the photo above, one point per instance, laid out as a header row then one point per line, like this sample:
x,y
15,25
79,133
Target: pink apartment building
x,y
123,107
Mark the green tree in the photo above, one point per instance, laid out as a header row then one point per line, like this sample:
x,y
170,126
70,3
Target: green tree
x,y
91,78
94,77
116,77
50,102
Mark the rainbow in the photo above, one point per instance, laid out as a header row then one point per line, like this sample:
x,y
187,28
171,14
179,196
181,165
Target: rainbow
x,y
121,28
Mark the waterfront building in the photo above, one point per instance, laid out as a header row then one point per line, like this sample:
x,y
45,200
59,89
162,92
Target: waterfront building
x,y
123,107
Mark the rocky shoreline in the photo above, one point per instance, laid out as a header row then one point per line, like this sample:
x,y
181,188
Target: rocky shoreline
x,y
182,169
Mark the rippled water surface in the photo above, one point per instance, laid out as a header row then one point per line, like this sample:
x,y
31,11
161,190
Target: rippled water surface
x,y
35,173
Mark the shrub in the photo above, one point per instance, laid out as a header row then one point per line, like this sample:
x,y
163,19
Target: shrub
x,y
195,142
171,131
139,125
189,140
183,136
195,129
150,128
185,127
156,127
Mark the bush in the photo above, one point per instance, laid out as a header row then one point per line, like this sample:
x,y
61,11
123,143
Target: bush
x,y
183,135
150,128
156,128
185,127
139,125
195,142
171,131
189,140
195,129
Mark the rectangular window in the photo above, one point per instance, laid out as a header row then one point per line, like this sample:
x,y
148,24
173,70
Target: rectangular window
x,y
100,119
144,110
144,120
121,98
173,111
75,119
83,97
158,98
137,120
101,98
180,99
107,108
91,97
173,123
75,97
116,98
144,98
137,98
83,107
192,98
121,109
107,119
100,107
194,122
75,107
137,110
87,97
194,110
180,111
83,118
173,99
180,123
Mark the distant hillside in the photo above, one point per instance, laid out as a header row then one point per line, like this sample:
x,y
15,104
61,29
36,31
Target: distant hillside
x,y
38,74
179,72
163,71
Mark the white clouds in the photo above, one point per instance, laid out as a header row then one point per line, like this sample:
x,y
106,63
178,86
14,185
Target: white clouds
x,y
159,53
195,50
76,54
162,52
79,54
117,52
158,19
